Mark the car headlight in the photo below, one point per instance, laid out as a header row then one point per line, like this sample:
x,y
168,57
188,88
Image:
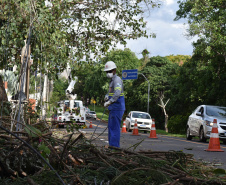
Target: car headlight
x,y
132,121
209,123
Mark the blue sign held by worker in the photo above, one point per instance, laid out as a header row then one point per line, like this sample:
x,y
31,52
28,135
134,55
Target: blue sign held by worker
x,y
129,74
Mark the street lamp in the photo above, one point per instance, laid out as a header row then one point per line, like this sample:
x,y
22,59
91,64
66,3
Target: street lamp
x,y
148,90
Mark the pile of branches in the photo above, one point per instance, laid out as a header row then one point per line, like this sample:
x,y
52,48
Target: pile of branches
x,y
37,156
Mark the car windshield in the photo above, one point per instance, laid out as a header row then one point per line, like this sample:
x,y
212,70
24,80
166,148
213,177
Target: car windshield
x,y
76,104
67,104
92,112
140,115
216,111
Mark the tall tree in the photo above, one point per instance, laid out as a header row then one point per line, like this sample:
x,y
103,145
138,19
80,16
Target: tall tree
x,y
80,28
68,31
3,94
202,79
206,20
179,59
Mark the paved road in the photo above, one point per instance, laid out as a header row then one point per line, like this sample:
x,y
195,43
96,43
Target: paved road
x,y
162,143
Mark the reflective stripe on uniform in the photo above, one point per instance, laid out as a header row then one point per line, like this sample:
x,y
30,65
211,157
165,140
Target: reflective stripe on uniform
x,y
117,88
111,94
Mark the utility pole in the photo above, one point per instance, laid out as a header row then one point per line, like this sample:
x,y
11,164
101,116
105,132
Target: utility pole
x,y
133,74
26,56
44,95
28,73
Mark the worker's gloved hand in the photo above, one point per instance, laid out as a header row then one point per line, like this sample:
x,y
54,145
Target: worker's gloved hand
x,y
106,104
106,98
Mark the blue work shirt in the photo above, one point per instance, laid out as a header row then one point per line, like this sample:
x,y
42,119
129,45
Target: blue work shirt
x,y
116,95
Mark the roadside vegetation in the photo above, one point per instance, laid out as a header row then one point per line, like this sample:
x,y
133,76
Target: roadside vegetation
x,y
42,37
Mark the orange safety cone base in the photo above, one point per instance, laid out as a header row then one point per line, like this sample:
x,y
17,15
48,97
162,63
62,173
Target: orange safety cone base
x,y
153,137
90,125
135,130
135,134
214,143
214,150
124,128
153,132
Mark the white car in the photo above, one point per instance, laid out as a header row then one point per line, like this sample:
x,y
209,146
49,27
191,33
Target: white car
x,y
200,122
144,121
92,114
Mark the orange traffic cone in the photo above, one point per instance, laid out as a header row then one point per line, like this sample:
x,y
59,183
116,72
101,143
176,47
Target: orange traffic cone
x,y
90,124
124,127
153,130
214,143
135,130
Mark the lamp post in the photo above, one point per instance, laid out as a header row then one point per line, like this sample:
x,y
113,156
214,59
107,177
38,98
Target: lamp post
x,y
148,90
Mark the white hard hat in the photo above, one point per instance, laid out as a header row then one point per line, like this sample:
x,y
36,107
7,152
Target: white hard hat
x,y
109,66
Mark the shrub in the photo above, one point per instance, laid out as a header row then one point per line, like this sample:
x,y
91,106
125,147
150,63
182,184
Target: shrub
x,y
177,124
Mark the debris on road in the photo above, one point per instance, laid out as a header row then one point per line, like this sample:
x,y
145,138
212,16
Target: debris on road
x,y
77,160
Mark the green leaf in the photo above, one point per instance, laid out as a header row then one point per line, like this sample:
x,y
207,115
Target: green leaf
x,y
44,148
32,131
47,150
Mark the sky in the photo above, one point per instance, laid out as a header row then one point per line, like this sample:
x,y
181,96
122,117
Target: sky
x,y
170,35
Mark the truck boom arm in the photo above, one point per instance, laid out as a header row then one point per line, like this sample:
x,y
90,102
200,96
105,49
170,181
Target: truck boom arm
x,y
72,82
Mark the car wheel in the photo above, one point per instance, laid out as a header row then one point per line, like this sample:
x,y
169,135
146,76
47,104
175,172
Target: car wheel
x,y
201,135
128,128
188,136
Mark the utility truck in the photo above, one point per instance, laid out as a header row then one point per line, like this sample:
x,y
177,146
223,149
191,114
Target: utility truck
x,y
71,110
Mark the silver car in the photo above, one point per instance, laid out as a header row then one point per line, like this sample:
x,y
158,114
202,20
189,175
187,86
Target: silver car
x,y
201,120
144,121
92,114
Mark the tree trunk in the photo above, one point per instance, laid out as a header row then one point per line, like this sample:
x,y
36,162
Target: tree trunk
x,y
163,106
3,95
44,95
166,123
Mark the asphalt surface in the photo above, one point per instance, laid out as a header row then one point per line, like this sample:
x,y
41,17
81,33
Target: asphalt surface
x,y
99,135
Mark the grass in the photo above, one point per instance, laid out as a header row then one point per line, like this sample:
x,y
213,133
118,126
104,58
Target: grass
x,y
163,132
99,112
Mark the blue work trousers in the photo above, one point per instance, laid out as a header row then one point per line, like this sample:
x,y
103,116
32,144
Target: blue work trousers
x,y
114,124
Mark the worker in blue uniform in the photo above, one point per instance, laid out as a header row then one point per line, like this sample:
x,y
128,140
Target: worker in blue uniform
x,y
115,102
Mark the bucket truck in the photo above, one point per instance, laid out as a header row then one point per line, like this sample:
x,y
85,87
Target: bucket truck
x,y
71,110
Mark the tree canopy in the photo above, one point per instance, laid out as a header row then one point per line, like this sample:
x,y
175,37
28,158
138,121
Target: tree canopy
x,y
68,31
92,79
206,20
202,79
